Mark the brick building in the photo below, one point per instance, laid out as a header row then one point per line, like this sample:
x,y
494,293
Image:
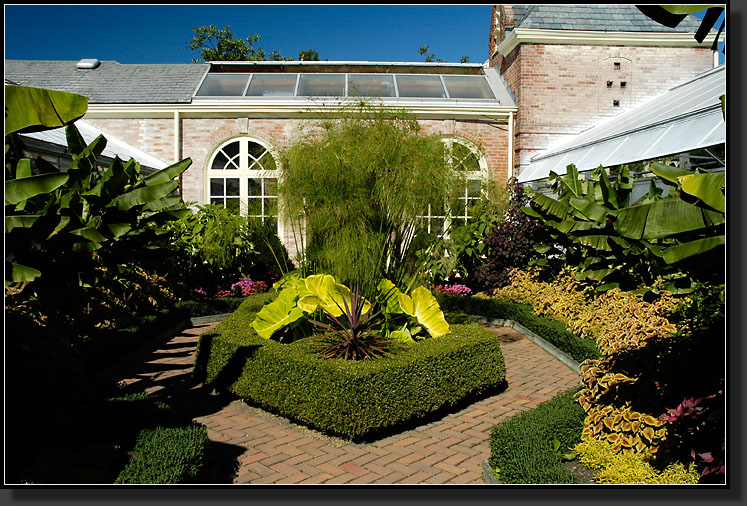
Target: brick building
x,y
553,71
568,67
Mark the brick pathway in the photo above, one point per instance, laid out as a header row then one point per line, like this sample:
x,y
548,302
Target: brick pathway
x,y
252,446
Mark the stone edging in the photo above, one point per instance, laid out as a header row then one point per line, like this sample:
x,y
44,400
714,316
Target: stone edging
x,y
539,341
487,472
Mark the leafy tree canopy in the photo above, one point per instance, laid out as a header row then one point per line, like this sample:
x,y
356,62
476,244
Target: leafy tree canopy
x,y
214,44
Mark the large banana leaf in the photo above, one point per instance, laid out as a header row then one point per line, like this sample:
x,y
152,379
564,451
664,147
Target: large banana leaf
x,y
35,109
423,307
681,251
668,172
18,190
662,218
143,195
281,312
168,173
707,187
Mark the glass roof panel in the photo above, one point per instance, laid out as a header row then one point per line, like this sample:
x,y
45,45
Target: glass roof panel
x,y
321,85
427,86
223,85
468,87
371,85
272,85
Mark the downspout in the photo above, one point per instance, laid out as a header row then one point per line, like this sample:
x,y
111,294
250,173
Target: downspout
x,y
510,145
177,144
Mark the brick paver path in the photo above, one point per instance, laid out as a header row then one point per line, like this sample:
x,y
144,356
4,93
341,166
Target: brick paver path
x,y
252,446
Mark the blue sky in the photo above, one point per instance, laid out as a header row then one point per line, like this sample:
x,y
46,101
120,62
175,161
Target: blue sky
x,y
158,33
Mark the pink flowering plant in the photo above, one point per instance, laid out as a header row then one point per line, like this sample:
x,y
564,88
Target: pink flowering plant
x,y
454,289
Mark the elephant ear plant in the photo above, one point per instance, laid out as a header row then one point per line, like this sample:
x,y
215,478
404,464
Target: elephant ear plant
x,y
354,328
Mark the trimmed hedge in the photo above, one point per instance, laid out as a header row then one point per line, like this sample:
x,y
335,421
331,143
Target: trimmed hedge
x,y
552,331
205,307
166,455
357,400
521,447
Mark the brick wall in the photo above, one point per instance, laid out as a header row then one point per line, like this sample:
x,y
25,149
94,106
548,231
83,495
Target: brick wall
x,y
201,136
562,90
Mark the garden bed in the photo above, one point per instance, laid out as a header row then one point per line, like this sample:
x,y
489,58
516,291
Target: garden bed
x,y
355,400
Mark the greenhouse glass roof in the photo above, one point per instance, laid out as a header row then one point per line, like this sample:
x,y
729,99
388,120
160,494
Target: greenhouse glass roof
x,y
346,79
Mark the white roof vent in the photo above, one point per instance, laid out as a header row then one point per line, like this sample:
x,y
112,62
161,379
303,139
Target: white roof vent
x,y
89,63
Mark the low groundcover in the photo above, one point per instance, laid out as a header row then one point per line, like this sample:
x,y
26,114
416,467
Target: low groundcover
x,y
356,400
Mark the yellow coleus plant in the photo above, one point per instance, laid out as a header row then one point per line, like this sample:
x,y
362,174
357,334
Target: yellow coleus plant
x,y
631,467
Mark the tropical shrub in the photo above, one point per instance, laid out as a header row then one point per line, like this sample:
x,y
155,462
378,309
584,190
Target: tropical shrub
x,y
356,184
509,244
616,243
357,400
212,248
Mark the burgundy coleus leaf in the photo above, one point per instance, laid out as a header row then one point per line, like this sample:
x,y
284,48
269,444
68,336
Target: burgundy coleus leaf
x,y
707,457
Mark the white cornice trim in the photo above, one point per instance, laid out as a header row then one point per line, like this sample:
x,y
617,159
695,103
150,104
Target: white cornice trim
x,y
599,38
278,109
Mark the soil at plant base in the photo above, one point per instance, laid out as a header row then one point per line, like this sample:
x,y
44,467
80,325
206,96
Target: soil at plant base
x,y
583,473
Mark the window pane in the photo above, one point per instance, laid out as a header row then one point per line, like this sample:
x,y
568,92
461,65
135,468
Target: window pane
x,y
254,207
473,189
272,85
272,221
232,186
216,186
256,150
255,187
271,186
219,162
232,204
223,85
322,85
468,87
217,202
420,86
362,85
271,207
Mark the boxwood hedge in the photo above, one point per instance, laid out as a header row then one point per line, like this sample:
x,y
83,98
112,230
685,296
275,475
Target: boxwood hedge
x,y
521,447
552,331
359,400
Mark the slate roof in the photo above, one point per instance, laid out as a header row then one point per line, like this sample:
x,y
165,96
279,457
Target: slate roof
x,y
111,82
593,17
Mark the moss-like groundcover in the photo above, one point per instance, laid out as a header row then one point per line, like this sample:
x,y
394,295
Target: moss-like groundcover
x,y
356,400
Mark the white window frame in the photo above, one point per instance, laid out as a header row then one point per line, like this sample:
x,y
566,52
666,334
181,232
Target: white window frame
x,y
246,170
482,177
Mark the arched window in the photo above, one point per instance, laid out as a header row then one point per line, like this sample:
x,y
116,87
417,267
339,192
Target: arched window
x,y
242,176
463,156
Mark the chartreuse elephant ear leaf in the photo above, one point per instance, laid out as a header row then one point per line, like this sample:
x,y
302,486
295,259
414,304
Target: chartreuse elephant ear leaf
x,y
423,307
282,311
325,292
389,295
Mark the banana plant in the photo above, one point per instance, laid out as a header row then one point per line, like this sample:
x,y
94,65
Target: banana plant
x,y
52,216
617,242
